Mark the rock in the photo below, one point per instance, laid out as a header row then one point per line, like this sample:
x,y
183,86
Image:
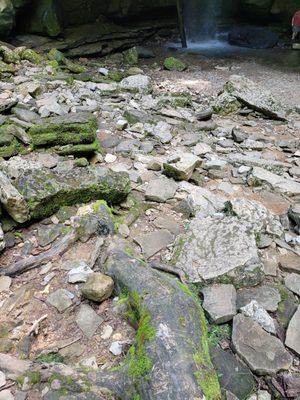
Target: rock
x,y
218,248
121,124
252,95
277,182
48,234
265,354
226,104
106,333
46,191
12,200
88,321
174,64
290,262
183,169
7,17
292,282
2,379
168,223
161,131
201,149
204,115
110,158
267,297
6,395
79,274
137,83
76,128
234,375
254,37
270,262
294,214
90,362
131,56
5,282
293,333
238,135
259,315
98,287
61,299
291,384
116,348
220,302
2,242
160,190
260,395
153,242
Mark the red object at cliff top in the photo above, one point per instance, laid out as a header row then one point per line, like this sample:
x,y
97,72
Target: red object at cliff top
x,y
296,19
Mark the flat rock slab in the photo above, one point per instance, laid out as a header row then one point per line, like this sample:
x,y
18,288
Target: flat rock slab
x,y
161,190
293,333
290,262
61,299
5,282
46,191
215,247
88,321
152,242
183,169
47,234
292,282
264,353
74,128
277,182
254,96
220,302
267,297
234,375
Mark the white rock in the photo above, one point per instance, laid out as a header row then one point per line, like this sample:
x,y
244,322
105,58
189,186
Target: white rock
x,y
110,158
79,274
121,124
2,379
259,315
107,332
103,71
116,348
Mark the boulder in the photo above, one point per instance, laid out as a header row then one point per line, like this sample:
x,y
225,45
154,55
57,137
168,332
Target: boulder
x,y
254,96
45,191
160,190
218,248
98,287
183,166
136,83
277,182
77,128
259,315
267,297
264,353
174,64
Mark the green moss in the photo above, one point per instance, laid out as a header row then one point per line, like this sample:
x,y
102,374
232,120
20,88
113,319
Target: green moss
x,y
32,56
174,64
34,377
79,150
178,250
50,358
68,385
12,149
6,68
56,55
116,76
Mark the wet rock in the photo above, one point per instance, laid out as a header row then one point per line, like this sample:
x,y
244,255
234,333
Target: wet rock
x,y
174,64
220,302
293,333
61,299
292,282
46,191
152,242
88,321
259,315
252,95
234,375
12,200
277,182
80,273
218,248
265,354
267,297
160,190
182,169
136,83
98,287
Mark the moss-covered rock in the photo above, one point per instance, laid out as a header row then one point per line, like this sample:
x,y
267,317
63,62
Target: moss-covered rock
x,y
174,64
46,191
131,56
79,128
6,68
31,56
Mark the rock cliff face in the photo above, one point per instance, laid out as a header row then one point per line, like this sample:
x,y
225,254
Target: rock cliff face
x,y
51,17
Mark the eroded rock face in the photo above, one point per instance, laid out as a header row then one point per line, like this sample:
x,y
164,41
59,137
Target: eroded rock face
x,y
217,249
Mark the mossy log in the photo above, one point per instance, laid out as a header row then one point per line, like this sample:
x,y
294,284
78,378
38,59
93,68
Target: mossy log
x,y
170,356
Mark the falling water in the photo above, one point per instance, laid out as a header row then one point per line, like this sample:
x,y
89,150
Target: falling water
x,y
201,19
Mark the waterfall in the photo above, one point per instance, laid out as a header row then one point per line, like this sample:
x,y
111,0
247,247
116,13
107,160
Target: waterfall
x,y
201,19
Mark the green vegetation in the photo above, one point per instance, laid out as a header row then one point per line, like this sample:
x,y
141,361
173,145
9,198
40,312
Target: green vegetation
x,y
217,333
50,358
174,64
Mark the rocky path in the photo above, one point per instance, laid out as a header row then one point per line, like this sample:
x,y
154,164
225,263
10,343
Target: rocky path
x,y
149,228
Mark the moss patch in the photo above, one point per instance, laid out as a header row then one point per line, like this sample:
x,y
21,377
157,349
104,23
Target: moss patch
x,y
174,64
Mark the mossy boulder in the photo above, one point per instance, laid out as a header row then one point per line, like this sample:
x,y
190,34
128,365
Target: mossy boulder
x,y
77,128
174,64
131,56
31,56
6,68
46,191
